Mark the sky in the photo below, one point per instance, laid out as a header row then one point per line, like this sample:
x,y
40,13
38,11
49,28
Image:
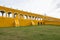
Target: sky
x,y
48,7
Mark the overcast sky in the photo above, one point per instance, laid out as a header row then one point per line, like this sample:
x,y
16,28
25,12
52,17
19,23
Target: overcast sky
x,y
48,7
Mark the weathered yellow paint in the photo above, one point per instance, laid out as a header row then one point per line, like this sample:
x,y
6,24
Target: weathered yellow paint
x,y
18,19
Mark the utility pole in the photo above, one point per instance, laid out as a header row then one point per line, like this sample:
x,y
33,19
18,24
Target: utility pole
x,y
44,16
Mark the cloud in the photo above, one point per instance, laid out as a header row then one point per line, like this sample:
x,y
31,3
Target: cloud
x,y
55,10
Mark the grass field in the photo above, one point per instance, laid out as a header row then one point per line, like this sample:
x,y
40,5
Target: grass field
x,y
41,32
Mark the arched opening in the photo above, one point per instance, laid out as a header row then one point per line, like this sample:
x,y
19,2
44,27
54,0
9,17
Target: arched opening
x,y
25,17
9,14
2,13
39,19
15,15
21,16
29,17
32,17
36,18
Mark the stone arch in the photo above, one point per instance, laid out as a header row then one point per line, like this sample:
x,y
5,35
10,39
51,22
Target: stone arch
x,y
5,14
21,15
2,13
29,17
25,17
9,14
32,17
15,14
39,18
36,18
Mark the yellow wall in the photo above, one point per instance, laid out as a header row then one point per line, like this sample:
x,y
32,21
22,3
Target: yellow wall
x,y
10,22
52,22
20,21
6,22
13,22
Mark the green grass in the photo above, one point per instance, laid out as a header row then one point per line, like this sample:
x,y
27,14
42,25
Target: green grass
x,y
42,32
